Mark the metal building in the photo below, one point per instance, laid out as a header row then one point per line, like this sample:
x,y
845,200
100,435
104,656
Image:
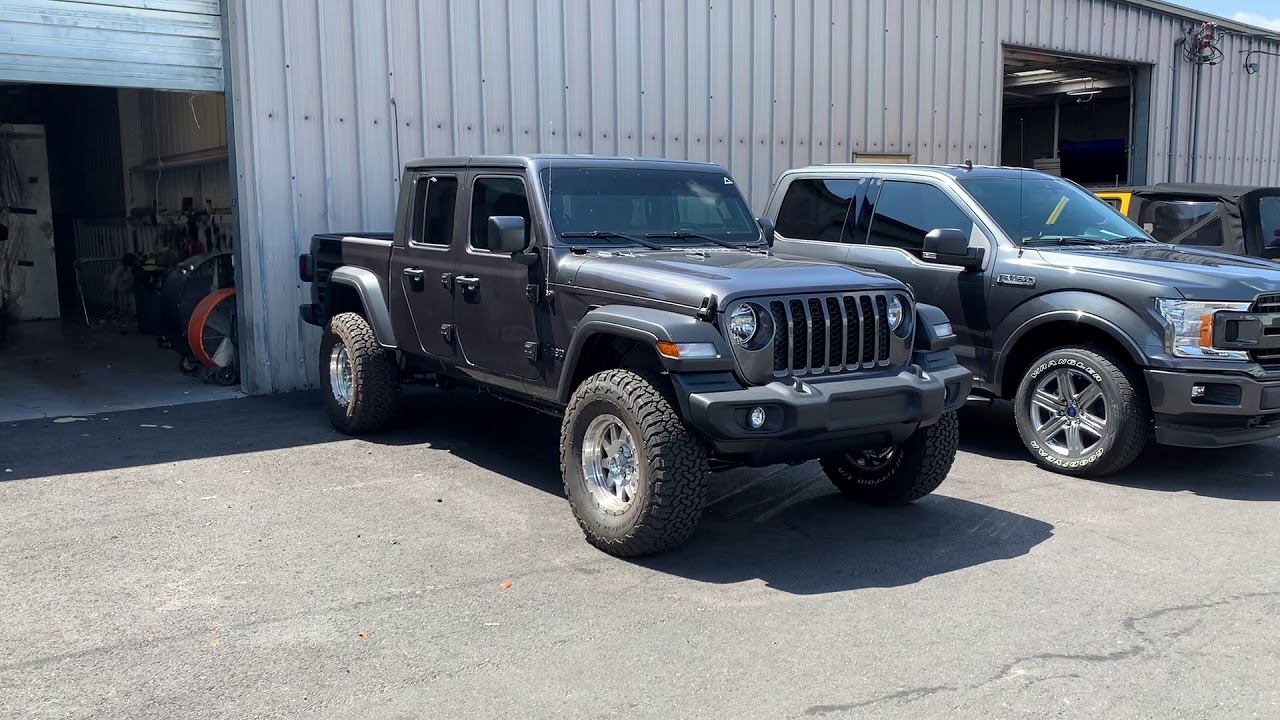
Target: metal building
x,y
326,98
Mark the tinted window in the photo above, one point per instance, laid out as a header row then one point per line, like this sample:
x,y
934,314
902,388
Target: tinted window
x,y
496,196
906,212
1166,220
816,209
635,201
434,201
1269,211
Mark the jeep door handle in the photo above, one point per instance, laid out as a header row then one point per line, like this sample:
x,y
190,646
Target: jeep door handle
x,y
468,282
414,273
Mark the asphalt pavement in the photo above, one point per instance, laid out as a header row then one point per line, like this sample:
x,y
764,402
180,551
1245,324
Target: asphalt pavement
x,y
240,559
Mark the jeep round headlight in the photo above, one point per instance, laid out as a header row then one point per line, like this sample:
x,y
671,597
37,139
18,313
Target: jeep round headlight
x,y
895,313
743,324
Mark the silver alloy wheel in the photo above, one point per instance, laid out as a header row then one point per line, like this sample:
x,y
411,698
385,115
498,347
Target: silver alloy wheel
x,y
340,374
610,465
1069,413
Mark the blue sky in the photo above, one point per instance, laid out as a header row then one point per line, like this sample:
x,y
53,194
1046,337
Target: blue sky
x,y
1258,12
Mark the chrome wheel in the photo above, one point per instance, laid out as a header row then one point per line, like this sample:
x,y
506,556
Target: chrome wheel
x,y
340,374
609,464
1069,413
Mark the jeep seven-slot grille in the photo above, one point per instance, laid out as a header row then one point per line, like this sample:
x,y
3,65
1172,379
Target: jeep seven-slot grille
x,y
1269,357
828,334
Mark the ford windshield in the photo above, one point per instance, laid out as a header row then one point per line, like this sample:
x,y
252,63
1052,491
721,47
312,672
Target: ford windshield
x,y
1036,209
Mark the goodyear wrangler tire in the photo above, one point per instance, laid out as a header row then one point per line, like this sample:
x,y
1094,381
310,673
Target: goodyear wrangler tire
x,y
635,476
1082,412
359,377
899,475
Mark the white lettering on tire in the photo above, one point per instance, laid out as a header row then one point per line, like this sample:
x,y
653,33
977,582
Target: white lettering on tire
x,y
1045,453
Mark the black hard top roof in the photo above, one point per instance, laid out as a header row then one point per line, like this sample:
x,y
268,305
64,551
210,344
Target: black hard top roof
x,y
546,160
1214,190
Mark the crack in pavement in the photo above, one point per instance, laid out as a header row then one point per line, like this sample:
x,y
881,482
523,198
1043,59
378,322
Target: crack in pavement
x,y
1145,642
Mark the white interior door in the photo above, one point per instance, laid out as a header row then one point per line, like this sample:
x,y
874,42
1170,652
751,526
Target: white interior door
x,y
33,287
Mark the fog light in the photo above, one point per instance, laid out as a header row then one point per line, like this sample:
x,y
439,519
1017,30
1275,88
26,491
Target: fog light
x,y
757,418
1197,391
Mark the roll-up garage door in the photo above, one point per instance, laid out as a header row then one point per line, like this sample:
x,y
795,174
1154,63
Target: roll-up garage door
x,y
158,44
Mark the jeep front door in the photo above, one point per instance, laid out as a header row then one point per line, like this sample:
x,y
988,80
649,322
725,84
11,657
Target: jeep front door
x,y
422,266
494,315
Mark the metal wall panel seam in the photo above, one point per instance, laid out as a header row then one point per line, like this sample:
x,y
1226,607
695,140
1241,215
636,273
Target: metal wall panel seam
x,y
391,92
326,151
300,326
360,131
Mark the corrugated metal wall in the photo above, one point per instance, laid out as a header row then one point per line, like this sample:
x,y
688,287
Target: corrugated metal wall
x,y
332,95
168,44
176,147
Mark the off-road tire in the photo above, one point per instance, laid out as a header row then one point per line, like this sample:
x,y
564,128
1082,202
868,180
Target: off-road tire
x,y
672,464
375,379
917,468
1127,437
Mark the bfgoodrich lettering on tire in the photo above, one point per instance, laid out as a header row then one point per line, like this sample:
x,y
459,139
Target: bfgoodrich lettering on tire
x,y
896,476
360,379
635,476
1080,412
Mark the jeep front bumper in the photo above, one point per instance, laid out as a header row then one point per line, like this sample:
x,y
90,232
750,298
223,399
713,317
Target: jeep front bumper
x,y
808,418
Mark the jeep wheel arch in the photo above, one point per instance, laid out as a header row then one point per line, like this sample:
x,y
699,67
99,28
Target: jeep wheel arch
x,y
372,300
647,326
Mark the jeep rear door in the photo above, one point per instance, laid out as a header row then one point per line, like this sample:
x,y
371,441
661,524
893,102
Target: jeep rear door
x,y
422,260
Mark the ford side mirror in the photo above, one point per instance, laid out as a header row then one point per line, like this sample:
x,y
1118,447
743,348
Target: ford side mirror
x,y
766,229
506,234
948,246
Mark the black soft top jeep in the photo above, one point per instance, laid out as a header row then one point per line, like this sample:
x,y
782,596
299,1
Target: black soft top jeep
x,y
639,300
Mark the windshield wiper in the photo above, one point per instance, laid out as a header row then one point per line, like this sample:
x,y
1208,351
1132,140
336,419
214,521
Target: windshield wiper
x,y
680,234
610,235
1067,240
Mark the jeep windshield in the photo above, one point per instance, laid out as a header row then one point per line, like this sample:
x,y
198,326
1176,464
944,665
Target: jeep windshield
x,y
1041,210
677,207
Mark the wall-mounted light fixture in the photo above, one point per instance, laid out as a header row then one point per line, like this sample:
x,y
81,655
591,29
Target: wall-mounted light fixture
x,y
1250,66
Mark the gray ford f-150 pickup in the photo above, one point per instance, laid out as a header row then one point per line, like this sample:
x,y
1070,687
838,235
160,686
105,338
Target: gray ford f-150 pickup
x,y
639,301
1105,339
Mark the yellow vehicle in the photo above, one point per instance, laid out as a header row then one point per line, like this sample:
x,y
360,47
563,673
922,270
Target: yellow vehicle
x,y
1242,220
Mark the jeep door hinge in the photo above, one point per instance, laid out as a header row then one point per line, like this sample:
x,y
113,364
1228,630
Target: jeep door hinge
x,y
531,292
446,332
532,350
446,279
557,353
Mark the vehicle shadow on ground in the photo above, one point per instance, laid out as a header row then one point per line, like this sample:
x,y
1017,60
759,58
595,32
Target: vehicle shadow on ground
x,y
789,528
1250,472
784,525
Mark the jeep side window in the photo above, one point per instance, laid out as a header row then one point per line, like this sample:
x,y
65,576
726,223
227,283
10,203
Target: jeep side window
x,y
816,209
1167,220
907,211
434,201
496,196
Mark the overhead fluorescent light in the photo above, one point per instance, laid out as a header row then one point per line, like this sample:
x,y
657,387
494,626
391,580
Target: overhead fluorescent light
x,y
1083,79
1032,73
1077,93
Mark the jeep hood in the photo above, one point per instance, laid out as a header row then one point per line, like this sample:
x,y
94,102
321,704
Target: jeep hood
x,y
1197,274
687,277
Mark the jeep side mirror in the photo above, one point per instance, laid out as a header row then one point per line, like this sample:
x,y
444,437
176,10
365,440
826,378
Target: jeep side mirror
x,y
506,234
766,228
948,246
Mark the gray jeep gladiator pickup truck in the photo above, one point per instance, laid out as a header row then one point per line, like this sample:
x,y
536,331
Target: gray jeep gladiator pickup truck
x,y
638,300
1106,340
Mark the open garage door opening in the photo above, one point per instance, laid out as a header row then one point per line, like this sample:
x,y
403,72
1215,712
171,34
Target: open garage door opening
x,y
1082,118
116,257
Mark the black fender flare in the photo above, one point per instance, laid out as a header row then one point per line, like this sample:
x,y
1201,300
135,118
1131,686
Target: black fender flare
x,y
1120,322
649,326
369,288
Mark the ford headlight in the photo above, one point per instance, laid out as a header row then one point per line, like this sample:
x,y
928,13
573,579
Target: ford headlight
x,y
1189,327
